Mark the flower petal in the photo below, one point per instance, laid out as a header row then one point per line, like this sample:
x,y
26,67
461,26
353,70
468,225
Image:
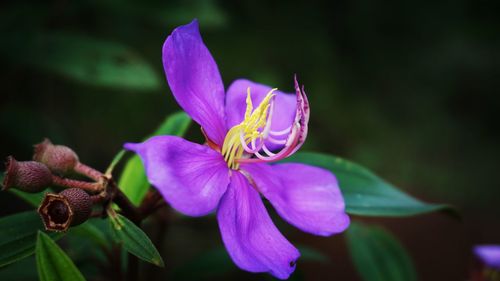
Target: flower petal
x,y
191,177
489,255
307,197
284,106
195,80
252,240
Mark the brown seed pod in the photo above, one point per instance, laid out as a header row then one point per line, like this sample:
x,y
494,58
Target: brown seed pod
x,y
28,176
70,207
59,159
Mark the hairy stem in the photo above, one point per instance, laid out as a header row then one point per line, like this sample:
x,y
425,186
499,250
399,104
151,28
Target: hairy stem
x,y
88,171
92,187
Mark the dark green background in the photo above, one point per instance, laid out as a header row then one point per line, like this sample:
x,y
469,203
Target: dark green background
x,y
406,88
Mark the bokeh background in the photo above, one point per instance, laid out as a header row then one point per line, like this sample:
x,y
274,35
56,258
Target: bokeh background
x,y
406,88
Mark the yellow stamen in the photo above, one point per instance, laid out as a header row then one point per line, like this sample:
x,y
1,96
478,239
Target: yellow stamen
x,y
250,129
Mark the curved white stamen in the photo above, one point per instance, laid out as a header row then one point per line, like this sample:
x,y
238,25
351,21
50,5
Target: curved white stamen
x,y
246,147
282,132
297,135
253,144
241,144
267,127
264,147
251,128
273,140
260,156
290,146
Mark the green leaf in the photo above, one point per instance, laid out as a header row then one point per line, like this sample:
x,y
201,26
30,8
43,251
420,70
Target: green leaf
x,y
377,255
118,157
175,124
312,255
91,231
18,236
23,270
33,199
133,181
207,266
364,192
134,240
52,263
81,58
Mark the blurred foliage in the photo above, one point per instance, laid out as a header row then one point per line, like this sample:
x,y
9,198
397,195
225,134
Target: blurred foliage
x,y
405,88
215,263
33,199
81,58
23,270
378,255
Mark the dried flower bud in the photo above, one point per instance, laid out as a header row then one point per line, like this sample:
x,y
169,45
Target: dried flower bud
x,y
59,159
28,176
68,208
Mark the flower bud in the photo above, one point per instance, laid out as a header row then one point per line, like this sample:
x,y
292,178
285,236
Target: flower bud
x,y
70,207
59,159
28,176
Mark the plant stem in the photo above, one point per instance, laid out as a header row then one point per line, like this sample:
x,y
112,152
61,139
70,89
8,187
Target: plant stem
x,y
151,203
92,187
129,210
88,171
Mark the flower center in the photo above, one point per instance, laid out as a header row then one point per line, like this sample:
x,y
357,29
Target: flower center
x,y
254,128
250,137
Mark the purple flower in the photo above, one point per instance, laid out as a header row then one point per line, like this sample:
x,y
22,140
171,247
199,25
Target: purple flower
x,y
489,255
245,128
